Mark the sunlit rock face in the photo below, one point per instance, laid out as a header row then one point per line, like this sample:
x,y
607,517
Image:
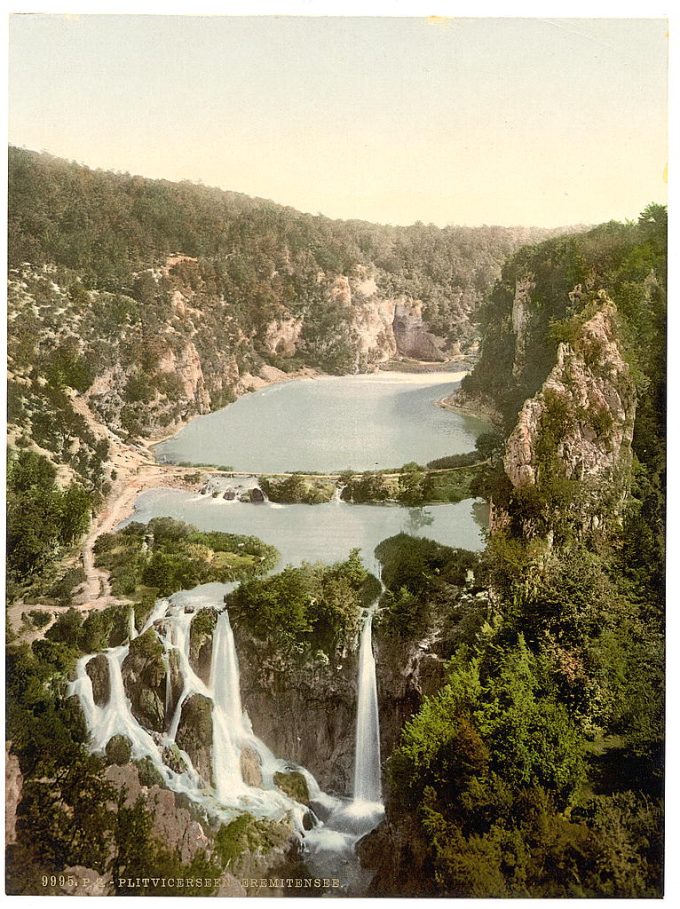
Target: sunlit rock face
x,y
592,384
579,427
411,334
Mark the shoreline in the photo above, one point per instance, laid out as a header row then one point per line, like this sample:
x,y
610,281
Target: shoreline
x,y
479,411
138,471
460,367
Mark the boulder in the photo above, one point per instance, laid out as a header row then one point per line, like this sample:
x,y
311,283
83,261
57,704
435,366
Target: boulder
x,y
251,767
256,495
98,671
293,784
195,734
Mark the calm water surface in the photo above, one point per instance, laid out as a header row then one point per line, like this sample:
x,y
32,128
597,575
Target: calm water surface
x,y
324,533
329,424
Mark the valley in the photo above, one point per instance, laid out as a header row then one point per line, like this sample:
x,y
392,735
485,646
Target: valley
x,y
336,549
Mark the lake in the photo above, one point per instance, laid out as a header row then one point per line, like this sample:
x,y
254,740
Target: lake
x,y
325,533
330,424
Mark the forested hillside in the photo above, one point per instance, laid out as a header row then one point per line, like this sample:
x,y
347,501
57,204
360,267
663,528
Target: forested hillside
x,y
521,689
537,769
142,302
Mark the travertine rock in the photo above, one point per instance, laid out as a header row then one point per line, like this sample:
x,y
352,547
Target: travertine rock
x,y
592,386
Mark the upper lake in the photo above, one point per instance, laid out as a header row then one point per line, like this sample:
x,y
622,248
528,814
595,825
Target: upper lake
x,y
364,422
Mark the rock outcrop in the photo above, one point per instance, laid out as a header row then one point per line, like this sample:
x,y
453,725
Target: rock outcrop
x,y
521,315
200,642
145,674
406,673
411,334
173,819
580,424
251,766
195,734
98,671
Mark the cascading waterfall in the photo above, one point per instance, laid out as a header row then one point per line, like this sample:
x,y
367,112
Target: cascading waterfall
x,y
367,787
337,493
228,724
232,731
329,846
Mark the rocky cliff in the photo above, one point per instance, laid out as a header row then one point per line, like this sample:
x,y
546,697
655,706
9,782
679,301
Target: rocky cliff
x,y
579,427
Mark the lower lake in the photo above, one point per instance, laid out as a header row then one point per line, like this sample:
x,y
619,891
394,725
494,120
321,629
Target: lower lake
x,y
325,533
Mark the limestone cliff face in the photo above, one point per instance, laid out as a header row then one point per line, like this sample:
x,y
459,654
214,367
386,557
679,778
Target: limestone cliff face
x,y
406,673
306,716
188,368
580,424
282,336
411,334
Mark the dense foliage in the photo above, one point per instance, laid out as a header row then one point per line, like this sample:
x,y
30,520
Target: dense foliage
x,y
166,555
422,581
43,518
537,770
262,255
303,613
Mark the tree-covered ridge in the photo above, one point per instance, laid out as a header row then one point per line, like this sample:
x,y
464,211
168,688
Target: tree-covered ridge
x,y
537,769
108,226
137,303
160,300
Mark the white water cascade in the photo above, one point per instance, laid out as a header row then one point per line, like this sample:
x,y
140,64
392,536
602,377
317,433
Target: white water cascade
x,y
232,731
229,729
367,786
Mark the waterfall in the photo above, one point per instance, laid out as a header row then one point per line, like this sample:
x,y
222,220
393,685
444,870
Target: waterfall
x,y
337,493
228,726
367,786
171,619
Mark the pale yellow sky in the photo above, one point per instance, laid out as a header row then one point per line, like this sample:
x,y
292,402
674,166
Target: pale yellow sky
x,y
504,121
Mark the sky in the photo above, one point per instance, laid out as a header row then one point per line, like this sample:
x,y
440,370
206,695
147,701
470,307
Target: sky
x,y
449,121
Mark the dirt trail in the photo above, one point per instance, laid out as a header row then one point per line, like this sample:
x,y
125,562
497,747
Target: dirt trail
x,y
135,472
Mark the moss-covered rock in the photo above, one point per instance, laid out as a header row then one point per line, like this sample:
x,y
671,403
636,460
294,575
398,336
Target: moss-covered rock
x,y
144,677
148,774
98,671
173,759
195,733
200,644
118,750
293,784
